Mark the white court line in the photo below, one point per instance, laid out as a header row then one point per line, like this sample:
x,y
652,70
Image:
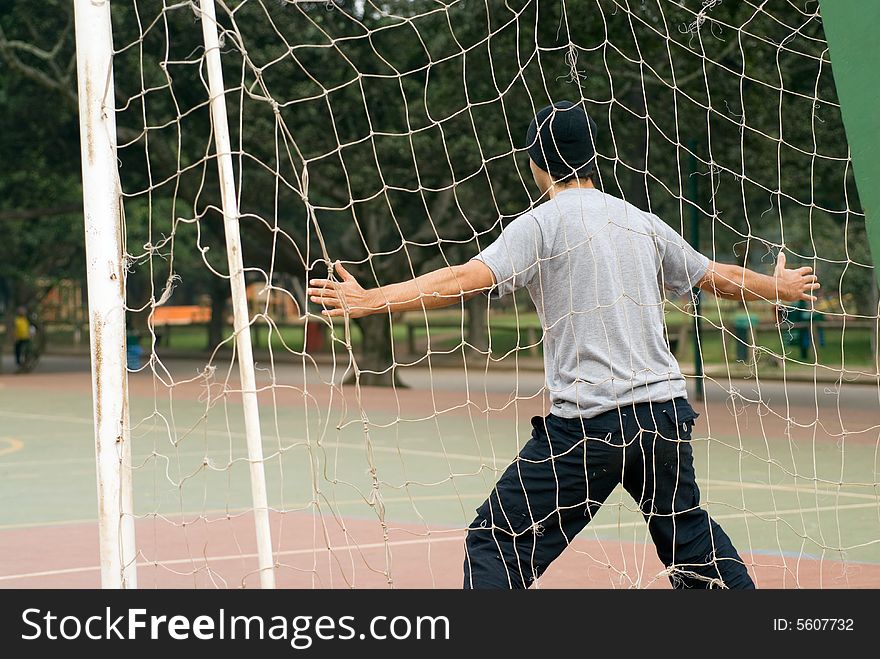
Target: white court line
x,y
295,443
751,513
824,489
397,543
303,506
235,557
298,444
290,507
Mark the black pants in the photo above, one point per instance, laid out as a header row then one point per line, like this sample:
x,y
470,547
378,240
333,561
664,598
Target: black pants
x,y
21,346
563,475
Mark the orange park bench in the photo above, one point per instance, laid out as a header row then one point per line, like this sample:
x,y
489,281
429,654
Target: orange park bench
x,y
165,317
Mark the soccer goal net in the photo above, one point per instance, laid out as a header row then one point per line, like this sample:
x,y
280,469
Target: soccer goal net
x,y
235,149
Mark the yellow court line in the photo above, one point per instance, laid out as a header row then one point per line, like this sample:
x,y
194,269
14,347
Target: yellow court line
x,y
13,445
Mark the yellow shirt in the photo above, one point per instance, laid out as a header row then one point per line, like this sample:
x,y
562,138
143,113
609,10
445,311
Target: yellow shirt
x,y
22,328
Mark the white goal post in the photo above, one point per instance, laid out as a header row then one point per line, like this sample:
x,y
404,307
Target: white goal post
x,y
102,201
106,284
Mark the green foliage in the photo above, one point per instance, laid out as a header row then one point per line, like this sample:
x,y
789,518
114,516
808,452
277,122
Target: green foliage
x,y
391,134
39,149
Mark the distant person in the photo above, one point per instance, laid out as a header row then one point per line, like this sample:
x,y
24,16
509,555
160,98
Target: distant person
x,y
23,336
806,320
596,268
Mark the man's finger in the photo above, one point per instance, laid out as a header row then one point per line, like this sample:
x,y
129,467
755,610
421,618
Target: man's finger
x,y
780,261
333,312
345,274
804,271
323,292
331,302
322,283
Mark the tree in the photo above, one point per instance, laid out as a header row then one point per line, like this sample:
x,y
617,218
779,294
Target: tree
x,y
40,199
390,135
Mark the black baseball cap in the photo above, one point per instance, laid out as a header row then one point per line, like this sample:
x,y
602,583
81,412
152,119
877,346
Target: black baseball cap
x,y
561,140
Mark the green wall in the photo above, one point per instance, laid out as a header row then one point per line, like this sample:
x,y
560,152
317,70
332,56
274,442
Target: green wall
x,y
851,27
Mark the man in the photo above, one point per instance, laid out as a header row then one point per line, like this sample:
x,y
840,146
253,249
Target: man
x,y
22,336
595,267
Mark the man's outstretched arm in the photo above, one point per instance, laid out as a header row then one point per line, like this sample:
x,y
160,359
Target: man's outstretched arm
x,y
440,288
784,285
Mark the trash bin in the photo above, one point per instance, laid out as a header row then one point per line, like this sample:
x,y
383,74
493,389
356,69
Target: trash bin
x,y
314,336
742,326
133,351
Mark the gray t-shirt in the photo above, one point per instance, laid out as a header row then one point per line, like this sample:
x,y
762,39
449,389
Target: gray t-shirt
x,y
596,267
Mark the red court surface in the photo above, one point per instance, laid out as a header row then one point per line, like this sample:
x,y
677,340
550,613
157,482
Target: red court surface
x,y
174,556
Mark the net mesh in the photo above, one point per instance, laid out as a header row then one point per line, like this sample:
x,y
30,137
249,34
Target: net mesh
x,y
389,135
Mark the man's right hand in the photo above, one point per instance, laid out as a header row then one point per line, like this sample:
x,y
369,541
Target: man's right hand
x,y
344,297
